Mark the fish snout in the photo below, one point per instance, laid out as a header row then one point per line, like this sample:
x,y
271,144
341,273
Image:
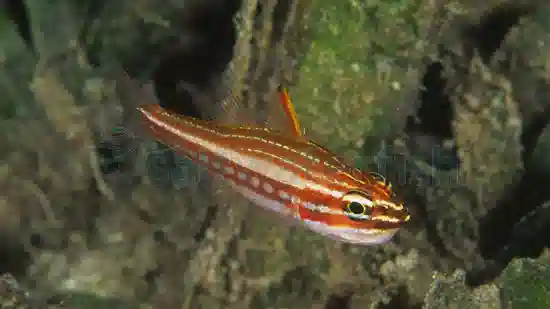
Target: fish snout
x,y
391,212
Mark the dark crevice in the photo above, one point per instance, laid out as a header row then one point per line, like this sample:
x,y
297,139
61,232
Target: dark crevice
x,y
17,12
14,259
526,239
36,240
530,236
426,131
432,124
477,276
435,113
402,300
202,53
531,132
486,36
206,51
339,301
497,226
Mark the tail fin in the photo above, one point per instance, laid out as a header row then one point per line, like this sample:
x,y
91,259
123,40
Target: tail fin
x,y
132,96
124,139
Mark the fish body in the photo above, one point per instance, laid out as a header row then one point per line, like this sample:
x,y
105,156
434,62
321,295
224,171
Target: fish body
x,y
285,173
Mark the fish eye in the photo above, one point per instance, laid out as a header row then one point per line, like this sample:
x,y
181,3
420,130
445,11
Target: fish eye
x,y
357,206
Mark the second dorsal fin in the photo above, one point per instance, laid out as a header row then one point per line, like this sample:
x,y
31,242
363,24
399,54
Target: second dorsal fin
x,y
279,112
288,110
233,106
281,115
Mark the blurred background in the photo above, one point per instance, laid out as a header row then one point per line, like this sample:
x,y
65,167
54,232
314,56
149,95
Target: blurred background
x,y
449,100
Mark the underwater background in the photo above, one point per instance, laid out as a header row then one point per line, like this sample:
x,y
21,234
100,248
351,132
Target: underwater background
x,y
449,100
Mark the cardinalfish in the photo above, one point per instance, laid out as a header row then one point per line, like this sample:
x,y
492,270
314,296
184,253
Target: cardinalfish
x,y
286,173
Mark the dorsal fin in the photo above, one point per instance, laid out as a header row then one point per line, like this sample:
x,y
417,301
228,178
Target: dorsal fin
x,y
230,106
239,107
280,113
289,122
235,110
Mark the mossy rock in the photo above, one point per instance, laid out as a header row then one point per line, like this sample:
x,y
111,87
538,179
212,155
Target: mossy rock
x,y
452,292
525,283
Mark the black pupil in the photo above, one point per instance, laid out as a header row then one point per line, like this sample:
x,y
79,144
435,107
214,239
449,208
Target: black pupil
x,y
356,208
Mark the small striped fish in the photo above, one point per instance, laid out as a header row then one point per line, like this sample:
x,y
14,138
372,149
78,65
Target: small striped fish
x,y
285,173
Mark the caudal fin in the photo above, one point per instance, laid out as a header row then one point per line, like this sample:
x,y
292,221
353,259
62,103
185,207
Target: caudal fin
x,y
133,96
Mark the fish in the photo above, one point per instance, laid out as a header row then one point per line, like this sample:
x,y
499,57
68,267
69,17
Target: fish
x,y
284,172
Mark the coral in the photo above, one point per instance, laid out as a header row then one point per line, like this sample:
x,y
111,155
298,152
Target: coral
x,y
452,292
522,284
525,283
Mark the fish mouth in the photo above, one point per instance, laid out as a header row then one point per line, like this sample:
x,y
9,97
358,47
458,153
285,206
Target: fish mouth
x,y
365,237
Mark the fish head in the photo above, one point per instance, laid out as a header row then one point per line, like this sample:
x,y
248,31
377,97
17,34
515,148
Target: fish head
x,y
366,214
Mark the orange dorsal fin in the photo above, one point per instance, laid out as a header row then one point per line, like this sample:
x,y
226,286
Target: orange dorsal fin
x,y
281,115
238,108
288,110
244,102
